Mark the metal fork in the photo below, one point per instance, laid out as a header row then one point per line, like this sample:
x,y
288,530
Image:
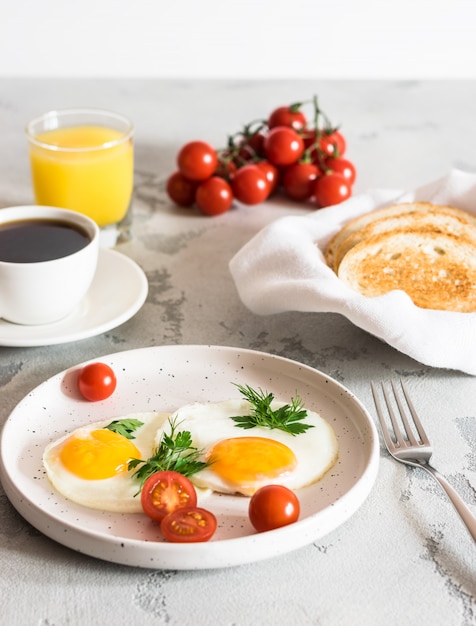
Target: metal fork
x,y
415,451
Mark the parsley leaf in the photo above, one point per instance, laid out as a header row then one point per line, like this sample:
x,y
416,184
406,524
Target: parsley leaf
x,y
175,452
287,417
125,427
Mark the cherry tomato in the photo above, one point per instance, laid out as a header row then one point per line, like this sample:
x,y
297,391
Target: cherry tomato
x,y
189,525
283,146
250,185
256,143
271,173
226,168
96,381
331,189
181,190
166,491
273,506
214,196
290,116
299,179
342,166
333,144
197,160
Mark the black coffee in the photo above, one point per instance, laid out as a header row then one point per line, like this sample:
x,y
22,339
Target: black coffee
x,y
33,240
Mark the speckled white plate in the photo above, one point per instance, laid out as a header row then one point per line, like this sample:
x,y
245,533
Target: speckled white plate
x,y
118,291
162,379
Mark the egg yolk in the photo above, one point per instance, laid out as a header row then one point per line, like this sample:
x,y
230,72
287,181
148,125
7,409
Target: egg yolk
x,y
248,460
100,454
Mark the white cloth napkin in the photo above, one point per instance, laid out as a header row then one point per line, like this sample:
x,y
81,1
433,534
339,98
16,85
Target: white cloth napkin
x,y
282,268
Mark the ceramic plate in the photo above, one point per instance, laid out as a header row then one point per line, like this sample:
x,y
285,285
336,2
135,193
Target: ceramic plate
x,y
118,291
162,379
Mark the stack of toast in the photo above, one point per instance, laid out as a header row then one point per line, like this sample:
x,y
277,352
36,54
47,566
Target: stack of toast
x,y
424,249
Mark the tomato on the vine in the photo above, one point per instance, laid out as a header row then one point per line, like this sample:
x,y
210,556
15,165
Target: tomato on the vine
x,y
189,525
165,492
181,190
271,173
283,146
331,189
226,167
214,196
342,166
333,144
299,179
273,506
197,160
250,185
291,116
252,147
96,381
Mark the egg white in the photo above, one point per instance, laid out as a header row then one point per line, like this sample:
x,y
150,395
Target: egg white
x,y
115,494
316,449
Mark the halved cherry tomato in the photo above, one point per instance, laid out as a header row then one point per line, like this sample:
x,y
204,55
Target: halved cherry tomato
x,y
165,492
283,146
250,185
214,196
290,116
342,166
96,381
273,506
197,160
299,179
189,525
181,190
331,189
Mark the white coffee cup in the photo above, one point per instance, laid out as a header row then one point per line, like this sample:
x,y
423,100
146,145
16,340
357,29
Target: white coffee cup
x,y
36,291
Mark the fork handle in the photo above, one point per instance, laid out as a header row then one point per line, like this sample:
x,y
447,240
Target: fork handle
x,y
466,515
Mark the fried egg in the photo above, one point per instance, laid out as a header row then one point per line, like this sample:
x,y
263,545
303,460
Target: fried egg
x,y
242,461
89,465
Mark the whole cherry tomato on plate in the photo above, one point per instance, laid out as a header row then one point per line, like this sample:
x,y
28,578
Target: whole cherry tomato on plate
x,y
96,381
331,189
165,492
299,179
197,160
189,525
250,185
283,146
291,116
273,506
181,190
214,196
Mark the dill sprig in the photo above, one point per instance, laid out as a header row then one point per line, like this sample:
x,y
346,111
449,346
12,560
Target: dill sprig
x,y
287,417
175,452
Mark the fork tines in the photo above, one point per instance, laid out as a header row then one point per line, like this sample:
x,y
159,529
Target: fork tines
x,y
400,421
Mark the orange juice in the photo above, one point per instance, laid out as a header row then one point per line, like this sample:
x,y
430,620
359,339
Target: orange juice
x,y
86,168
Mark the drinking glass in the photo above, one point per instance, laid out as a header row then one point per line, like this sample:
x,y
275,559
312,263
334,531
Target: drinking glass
x,y
83,160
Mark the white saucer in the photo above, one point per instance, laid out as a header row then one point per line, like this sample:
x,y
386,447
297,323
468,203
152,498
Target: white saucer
x,y
118,291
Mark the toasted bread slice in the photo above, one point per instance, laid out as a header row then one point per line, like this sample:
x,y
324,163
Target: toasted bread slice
x,y
437,270
437,219
364,220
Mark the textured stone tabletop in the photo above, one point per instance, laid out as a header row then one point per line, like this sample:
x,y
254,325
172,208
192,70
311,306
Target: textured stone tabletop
x,y
404,557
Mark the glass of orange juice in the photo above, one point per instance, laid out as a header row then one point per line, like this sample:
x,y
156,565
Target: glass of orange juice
x,y
83,160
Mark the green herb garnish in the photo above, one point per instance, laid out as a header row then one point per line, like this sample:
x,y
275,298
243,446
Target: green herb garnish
x,y
287,417
175,452
125,427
